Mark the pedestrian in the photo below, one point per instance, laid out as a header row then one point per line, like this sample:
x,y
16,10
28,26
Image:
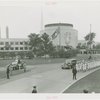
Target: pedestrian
x,y
85,91
34,89
8,71
74,71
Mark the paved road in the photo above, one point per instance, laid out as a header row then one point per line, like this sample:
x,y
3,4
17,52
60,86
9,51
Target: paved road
x,y
48,78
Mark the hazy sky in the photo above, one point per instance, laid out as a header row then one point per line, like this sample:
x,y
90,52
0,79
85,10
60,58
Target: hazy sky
x,y
24,17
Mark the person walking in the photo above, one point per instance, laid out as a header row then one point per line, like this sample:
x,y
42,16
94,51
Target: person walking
x,y
8,72
74,71
85,91
34,89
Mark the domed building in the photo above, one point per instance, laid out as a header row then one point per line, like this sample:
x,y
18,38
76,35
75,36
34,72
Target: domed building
x,y
62,34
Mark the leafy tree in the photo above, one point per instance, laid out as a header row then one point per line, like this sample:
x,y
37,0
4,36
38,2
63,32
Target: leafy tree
x,y
21,54
47,45
52,50
29,54
71,53
89,38
79,46
12,54
61,53
41,45
34,42
68,47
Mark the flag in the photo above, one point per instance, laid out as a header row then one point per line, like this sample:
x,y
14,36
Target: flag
x,y
55,34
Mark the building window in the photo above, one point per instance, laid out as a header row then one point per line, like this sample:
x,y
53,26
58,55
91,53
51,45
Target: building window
x,y
16,43
12,48
21,48
26,48
2,48
26,43
29,48
1,43
6,48
16,48
11,43
21,43
6,43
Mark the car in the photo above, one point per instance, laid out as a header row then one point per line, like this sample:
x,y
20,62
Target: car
x,y
68,63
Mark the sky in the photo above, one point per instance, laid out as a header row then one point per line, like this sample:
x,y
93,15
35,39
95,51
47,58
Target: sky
x,y
24,16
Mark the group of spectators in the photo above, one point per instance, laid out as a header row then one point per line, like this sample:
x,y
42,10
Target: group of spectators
x,y
86,65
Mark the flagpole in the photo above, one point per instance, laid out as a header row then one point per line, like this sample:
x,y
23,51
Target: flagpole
x,y
90,37
41,23
90,28
59,36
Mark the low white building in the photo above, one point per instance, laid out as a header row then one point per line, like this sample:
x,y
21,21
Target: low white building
x,y
14,45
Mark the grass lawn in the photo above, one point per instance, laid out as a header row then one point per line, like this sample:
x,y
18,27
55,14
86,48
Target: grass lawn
x,y
35,61
90,82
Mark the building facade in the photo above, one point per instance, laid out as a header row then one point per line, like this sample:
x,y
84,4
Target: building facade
x,y
14,45
62,34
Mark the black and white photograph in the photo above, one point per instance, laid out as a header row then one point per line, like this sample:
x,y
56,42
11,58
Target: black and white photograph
x,y
50,46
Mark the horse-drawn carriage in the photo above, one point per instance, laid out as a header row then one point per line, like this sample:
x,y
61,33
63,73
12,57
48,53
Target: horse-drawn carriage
x,y
17,65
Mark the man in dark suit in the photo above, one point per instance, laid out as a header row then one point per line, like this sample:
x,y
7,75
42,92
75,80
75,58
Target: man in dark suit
x,y
34,89
8,71
74,71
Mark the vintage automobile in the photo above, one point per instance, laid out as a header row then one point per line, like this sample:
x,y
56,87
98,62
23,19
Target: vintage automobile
x,y
68,63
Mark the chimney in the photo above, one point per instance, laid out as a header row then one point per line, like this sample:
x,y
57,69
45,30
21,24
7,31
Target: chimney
x,y
7,32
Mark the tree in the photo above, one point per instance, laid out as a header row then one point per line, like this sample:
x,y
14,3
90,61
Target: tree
x,y
89,38
34,42
47,45
41,45
12,54
29,54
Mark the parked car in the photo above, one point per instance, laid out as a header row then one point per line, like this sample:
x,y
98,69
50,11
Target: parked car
x,y
68,63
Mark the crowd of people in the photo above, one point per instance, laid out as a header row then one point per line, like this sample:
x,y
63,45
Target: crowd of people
x,y
83,66
87,65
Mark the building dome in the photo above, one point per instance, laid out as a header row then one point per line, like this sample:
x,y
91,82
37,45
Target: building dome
x,y
62,34
58,24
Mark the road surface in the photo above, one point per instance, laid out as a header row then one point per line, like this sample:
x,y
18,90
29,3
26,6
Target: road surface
x,y
48,78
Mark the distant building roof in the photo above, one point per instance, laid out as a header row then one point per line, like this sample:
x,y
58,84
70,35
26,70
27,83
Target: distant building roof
x,y
60,24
